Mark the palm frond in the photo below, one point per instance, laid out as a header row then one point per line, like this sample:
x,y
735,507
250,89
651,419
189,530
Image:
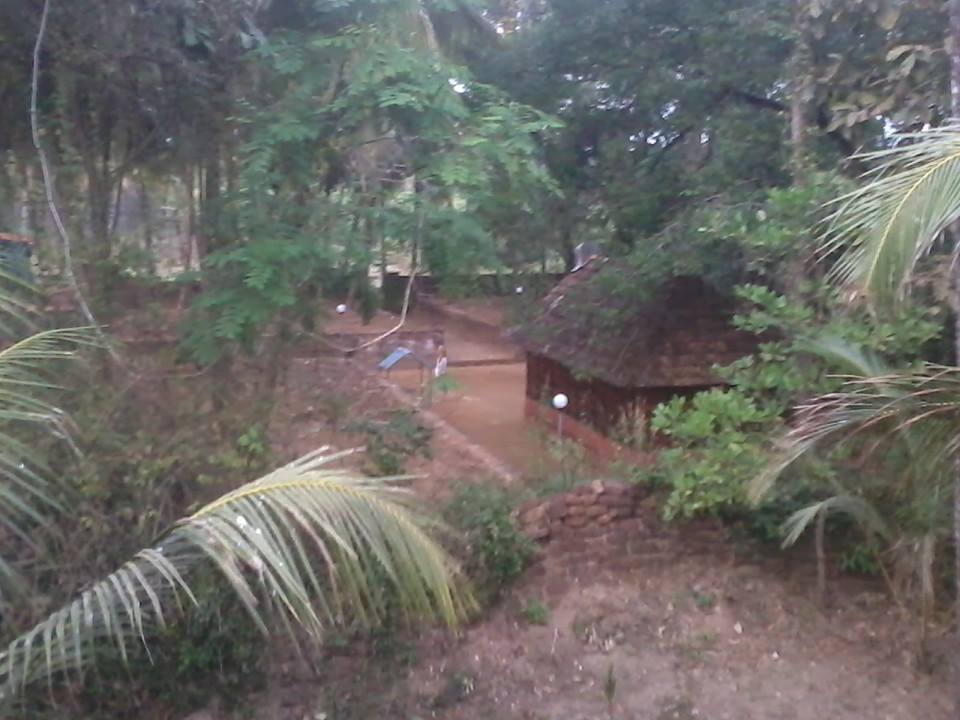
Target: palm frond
x,y
864,513
886,226
314,545
921,409
844,356
27,380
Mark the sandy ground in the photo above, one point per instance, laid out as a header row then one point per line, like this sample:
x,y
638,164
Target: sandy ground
x,y
486,405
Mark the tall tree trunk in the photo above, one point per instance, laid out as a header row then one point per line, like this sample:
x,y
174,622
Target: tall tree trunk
x,y
956,470
800,70
147,220
98,252
210,213
116,209
31,202
97,160
8,197
953,8
187,237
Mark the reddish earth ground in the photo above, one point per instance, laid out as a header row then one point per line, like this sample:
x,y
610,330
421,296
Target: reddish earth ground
x,y
488,310
486,405
323,395
688,626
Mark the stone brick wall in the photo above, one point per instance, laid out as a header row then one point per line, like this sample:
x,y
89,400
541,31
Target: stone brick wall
x,y
597,509
601,529
606,530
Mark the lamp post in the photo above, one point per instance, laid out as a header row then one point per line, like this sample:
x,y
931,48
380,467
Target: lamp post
x,y
560,401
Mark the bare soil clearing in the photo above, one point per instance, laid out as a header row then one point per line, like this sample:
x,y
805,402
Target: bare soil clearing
x,y
685,630
686,635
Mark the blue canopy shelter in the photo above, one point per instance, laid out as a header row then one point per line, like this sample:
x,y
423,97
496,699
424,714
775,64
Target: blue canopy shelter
x,y
399,355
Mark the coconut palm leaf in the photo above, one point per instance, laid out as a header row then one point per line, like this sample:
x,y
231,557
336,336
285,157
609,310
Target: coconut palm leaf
x,y
317,547
864,513
29,370
883,228
919,408
844,356
915,414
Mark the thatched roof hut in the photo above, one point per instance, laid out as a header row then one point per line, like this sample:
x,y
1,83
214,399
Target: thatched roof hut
x,y
607,342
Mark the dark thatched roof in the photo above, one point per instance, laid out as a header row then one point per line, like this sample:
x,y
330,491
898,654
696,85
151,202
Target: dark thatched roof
x,y
592,323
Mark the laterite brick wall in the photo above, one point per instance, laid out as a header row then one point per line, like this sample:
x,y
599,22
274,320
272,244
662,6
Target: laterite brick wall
x,y
602,506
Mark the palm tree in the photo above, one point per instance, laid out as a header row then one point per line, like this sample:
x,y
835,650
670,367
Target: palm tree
x,y
878,235
303,542
897,433
315,546
884,228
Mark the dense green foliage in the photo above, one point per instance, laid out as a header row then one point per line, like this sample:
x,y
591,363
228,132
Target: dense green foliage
x,y
274,157
390,442
811,338
498,552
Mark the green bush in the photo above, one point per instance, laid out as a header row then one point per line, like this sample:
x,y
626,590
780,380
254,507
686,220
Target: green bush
x,y
216,651
720,439
497,551
534,612
391,441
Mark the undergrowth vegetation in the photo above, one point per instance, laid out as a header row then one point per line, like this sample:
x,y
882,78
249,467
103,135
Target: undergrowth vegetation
x,y
496,551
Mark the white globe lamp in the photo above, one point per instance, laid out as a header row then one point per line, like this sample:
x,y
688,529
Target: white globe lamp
x,y
559,402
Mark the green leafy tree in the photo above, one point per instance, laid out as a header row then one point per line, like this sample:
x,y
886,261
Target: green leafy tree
x,y
808,337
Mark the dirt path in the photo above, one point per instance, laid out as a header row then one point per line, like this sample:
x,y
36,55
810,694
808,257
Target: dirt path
x,y
487,406
487,401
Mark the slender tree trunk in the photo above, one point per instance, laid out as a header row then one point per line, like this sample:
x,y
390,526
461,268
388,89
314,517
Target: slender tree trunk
x,y
210,215
98,196
956,485
8,197
800,69
187,238
115,214
821,558
147,219
953,8
190,250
